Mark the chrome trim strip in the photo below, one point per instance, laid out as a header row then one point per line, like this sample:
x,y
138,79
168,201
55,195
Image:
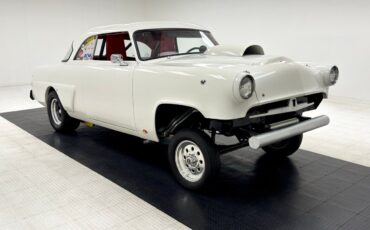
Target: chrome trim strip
x,y
284,123
290,108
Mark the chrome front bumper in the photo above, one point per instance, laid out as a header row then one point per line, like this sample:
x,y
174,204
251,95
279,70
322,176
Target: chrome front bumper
x,y
271,137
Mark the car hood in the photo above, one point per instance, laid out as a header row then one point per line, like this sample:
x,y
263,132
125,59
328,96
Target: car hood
x,y
226,57
235,50
275,76
233,63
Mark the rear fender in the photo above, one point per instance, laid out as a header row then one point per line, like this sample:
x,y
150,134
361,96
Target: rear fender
x,y
66,94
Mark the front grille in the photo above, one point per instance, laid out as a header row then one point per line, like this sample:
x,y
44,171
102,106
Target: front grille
x,y
262,109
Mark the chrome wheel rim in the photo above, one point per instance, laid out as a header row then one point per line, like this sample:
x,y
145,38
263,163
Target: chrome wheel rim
x,y
56,111
190,161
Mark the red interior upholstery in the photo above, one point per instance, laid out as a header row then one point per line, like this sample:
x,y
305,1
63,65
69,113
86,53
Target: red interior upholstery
x,y
167,44
115,45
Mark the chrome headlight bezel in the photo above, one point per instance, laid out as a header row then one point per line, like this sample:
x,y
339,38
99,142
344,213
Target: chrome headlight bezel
x,y
240,84
246,87
332,76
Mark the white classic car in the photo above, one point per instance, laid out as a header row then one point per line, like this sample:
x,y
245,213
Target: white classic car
x,y
172,82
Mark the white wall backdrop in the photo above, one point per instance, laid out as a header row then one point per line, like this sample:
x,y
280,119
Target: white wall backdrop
x,y
35,32
322,31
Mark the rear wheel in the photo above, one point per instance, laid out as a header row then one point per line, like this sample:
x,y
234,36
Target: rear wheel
x,y
58,117
286,147
193,158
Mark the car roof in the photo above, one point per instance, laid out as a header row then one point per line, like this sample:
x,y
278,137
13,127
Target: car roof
x,y
132,27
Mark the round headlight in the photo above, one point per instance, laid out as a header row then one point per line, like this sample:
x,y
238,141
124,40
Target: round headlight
x,y
333,75
246,87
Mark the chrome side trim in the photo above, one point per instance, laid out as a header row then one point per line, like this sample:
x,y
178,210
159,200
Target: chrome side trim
x,y
271,137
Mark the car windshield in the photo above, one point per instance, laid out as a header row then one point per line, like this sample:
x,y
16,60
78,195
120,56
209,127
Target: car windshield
x,y
159,43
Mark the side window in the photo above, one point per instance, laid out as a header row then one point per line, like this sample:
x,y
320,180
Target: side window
x,y
145,50
86,51
130,52
114,43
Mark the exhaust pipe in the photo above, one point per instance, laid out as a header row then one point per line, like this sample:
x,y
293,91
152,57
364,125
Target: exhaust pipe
x,y
271,137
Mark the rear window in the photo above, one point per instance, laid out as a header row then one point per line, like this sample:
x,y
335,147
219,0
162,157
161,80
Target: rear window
x,y
101,47
86,51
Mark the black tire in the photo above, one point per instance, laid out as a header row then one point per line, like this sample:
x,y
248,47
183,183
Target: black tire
x,y
286,147
66,123
210,159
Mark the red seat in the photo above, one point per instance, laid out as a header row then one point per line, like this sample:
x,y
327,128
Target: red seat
x,y
115,45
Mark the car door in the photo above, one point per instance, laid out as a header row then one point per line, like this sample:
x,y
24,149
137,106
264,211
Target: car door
x,y
106,87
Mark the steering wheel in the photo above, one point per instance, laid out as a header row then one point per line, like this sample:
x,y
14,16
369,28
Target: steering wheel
x,y
201,49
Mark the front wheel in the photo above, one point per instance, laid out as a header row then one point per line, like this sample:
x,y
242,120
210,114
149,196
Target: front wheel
x,y
286,147
193,158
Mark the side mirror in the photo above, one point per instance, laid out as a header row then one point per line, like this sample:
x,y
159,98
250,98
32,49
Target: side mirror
x,y
202,49
118,58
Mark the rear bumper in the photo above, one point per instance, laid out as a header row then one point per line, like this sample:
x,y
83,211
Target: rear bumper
x,y
271,137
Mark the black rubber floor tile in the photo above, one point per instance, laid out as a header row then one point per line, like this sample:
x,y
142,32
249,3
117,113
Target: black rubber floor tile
x,y
302,201
332,213
308,176
347,175
315,192
332,162
350,202
365,181
357,169
357,222
366,212
358,190
254,190
330,184
305,158
310,155
308,222
317,169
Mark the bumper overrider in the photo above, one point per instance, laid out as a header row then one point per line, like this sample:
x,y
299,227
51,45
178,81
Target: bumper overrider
x,y
274,136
